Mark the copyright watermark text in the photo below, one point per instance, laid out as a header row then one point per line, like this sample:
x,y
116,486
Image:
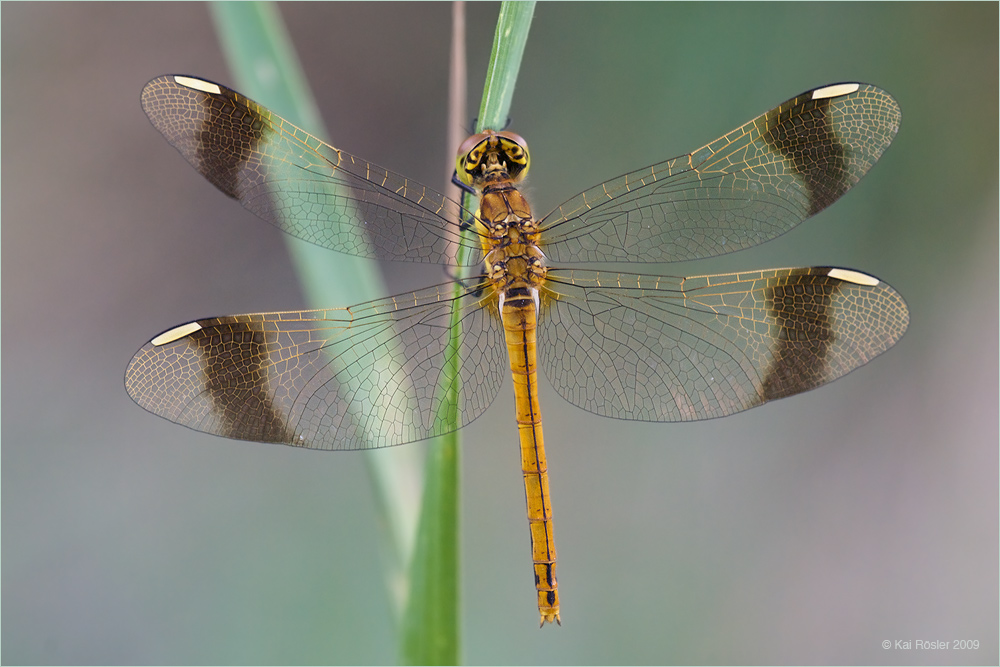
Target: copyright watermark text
x,y
930,644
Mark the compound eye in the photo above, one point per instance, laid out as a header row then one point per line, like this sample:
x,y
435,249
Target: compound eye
x,y
470,156
516,150
514,139
472,142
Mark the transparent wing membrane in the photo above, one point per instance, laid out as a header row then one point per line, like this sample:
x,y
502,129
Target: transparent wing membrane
x,y
664,349
298,183
653,348
352,378
745,188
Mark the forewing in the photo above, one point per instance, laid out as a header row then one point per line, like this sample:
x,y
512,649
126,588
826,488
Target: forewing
x,y
298,183
745,188
355,378
654,348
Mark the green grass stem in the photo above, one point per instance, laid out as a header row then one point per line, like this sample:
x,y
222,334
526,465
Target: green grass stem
x,y
264,64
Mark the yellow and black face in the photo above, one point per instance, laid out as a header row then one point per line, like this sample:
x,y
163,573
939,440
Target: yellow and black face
x,y
489,157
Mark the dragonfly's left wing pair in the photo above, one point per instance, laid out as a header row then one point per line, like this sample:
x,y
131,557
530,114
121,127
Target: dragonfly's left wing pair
x,y
349,378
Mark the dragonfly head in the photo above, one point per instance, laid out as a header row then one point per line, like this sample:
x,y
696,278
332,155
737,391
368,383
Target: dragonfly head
x,y
489,157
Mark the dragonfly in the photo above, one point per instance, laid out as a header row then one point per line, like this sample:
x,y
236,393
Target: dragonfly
x,y
632,346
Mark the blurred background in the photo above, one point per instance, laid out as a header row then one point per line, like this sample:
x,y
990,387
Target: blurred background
x,y
807,531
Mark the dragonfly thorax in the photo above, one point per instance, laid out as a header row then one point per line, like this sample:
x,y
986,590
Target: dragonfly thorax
x,y
516,265
510,244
